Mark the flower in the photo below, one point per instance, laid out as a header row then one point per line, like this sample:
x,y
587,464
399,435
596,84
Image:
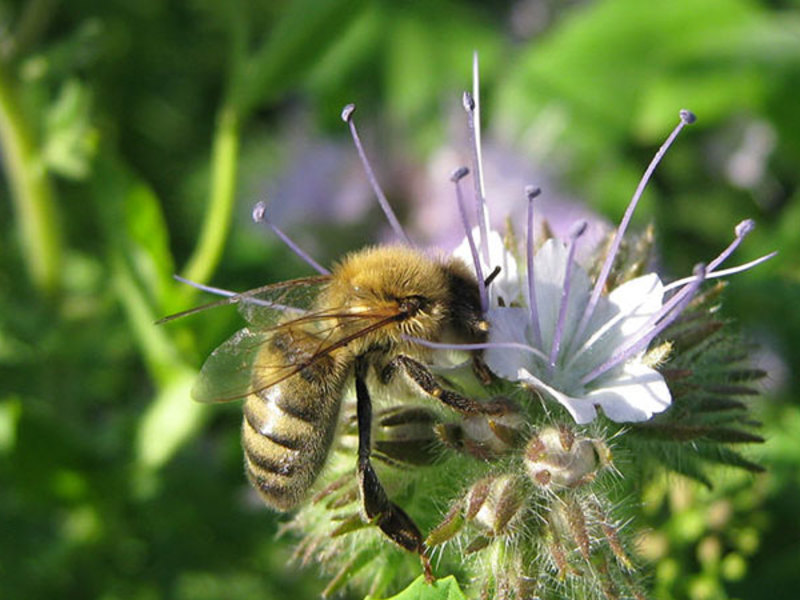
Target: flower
x,y
563,336
561,356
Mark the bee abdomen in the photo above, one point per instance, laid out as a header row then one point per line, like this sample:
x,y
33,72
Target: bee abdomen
x,y
285,443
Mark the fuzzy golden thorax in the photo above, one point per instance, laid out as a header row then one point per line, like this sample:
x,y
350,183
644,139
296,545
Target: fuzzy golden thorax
x,y
420,296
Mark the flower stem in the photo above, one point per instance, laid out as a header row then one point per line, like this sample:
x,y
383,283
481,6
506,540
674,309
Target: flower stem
x,y
31,193
224,160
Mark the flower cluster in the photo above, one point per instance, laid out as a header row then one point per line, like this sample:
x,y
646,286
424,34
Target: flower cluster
x,y
585,361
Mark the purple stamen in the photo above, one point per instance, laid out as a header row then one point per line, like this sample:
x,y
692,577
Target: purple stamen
x,y
260,216
532,192
473,125
477,346
203,287
243,298
742,230
347,117
456,178
687,118
639,341
577,230
724,272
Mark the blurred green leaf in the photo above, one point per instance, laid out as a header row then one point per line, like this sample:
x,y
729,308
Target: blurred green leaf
x,y
10,411
70,139
170,419
302,34
441,589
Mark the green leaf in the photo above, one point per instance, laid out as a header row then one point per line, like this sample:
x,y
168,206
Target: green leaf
x,y
170,420
135,225
303,34
441,589
70,138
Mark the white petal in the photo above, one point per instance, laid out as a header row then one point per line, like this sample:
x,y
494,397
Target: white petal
x,y
637,300
550,265
581,409
508,325
635,395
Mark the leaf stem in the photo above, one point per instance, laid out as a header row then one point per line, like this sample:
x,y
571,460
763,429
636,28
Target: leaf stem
x,y
31,193
224,160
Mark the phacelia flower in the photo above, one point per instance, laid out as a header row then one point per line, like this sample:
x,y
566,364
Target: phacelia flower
x,y
569,337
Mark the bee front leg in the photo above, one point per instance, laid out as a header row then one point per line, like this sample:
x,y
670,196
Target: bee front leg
x,y
427,382
390,518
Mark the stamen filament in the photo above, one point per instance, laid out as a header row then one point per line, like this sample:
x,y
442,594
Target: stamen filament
x,y
532,192
477,346
456,178
204,288
472,106
724,272
687,118
578,230
347,117
654,326
236,297
260,216
741,230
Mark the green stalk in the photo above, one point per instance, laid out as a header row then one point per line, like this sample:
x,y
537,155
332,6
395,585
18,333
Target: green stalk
x,y
224,160
31,193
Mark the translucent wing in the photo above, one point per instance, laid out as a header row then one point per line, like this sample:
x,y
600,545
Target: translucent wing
x,y
227,372
263,306
256,358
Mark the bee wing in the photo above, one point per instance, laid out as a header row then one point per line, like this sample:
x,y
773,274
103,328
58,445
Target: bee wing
x,y
227,372
263,306
231,372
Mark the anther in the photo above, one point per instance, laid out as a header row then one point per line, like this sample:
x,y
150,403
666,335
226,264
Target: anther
x,y
347,112
532,192
687,116
260,216
459,174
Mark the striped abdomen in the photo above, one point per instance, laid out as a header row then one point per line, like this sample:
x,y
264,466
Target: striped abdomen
x,y
288,428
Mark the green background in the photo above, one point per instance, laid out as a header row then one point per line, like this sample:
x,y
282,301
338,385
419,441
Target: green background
x,y
136,136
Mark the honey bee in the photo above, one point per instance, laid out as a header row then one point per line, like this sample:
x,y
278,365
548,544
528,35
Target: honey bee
x,y
308,339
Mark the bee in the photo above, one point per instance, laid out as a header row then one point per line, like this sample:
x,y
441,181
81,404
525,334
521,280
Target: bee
x,y
308,339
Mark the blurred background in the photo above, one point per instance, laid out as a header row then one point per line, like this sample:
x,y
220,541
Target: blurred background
x,y
136,135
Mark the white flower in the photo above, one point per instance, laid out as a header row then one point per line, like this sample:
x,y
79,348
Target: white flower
x,y
630,391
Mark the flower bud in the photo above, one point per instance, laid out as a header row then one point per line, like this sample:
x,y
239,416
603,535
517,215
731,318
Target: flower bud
x,y
555,457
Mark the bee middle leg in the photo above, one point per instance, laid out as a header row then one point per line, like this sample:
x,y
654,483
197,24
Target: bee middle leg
x,y
427,382
388,516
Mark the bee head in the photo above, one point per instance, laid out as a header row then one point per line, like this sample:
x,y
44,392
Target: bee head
x,y
423,294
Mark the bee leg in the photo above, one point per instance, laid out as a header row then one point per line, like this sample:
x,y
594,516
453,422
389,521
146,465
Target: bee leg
x,y
390,518
422,377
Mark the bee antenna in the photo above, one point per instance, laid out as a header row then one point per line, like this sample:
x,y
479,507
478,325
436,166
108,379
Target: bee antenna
x,y
471,102
347,117
456,178
260,216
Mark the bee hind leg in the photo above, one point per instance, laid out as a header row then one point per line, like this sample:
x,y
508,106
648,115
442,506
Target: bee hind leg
x,y
392,520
